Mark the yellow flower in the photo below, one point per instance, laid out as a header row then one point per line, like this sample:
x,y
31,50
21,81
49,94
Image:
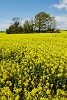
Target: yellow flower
x,y
48,92
43,98
39,88
17,97
33,92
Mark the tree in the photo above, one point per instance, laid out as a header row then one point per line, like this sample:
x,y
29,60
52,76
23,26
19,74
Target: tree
x,y
31,25
42,21
15,27
16,20
51,25
28,26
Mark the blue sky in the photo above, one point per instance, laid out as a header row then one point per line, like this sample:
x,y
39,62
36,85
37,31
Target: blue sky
x,y
29,8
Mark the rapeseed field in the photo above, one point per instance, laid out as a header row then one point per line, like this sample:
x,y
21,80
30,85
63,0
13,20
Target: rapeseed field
x,y
33,66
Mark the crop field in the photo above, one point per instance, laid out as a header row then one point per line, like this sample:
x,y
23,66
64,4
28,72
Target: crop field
x,y
33,66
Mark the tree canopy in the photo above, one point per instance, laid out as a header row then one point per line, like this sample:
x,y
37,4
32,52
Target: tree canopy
x,y
42,22
15,27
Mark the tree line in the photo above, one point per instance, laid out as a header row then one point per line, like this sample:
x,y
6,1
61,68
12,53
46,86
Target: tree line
x,y
42,22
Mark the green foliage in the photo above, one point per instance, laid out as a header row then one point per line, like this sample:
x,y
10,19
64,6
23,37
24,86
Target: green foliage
x,y
15,27
42,22
28,26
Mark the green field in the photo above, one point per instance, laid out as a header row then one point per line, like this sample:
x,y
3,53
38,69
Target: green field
x,y
33,66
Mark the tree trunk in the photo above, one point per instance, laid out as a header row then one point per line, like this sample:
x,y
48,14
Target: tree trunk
x,y
39,29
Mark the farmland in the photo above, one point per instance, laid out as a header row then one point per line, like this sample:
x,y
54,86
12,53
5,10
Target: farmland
x,y
33,66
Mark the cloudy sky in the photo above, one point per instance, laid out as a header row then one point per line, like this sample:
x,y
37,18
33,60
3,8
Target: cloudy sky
x,y
29,8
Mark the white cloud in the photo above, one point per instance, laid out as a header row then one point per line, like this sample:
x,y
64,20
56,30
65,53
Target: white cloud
x,y
61,21
62,5
3,26
64,1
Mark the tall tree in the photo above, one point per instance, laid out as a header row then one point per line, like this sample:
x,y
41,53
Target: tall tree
x,y
15,27
32,25
28,26
41,21
51,24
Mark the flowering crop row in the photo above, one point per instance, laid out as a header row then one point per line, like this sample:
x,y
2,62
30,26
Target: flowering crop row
x,y
33,67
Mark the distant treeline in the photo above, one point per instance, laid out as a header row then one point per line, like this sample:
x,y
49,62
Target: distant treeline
x,y
2,31
41,23
64,30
